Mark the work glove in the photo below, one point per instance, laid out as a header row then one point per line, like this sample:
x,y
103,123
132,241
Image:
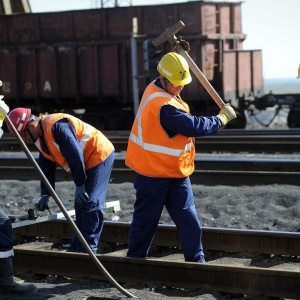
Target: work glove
x,y
183,43
43,203
4,109
226,114
81,196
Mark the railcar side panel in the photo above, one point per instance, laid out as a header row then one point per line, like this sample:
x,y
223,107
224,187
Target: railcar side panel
x,y
87,56
153,19
8,68
224,18
229,75
47,73
26,70
89,25
67,71
236,18
244,72
82,59
257,73
22,29
55,27
3,31
108,66
118,21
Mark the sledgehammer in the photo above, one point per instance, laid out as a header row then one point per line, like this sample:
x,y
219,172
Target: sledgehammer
x,y
169,35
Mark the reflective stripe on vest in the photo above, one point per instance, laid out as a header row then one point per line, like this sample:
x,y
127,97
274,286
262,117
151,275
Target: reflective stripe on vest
x,y
84,138
152,147
95,146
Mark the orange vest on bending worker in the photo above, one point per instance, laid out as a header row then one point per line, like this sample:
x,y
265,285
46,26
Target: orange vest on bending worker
x,y
151,152
95,146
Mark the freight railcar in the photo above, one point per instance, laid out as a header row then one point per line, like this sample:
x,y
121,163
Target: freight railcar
x,y
80,61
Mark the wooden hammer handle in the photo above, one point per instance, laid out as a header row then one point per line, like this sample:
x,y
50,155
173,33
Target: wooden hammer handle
x,y
201,77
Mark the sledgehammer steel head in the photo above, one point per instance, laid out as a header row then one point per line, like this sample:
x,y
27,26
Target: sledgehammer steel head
x,y
168,33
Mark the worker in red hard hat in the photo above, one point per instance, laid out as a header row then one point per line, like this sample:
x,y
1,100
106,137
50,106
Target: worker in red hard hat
x,y
20,117
7,282
80,149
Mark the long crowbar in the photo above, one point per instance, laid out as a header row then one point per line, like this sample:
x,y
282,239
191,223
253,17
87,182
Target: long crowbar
x,y
169,35
64,211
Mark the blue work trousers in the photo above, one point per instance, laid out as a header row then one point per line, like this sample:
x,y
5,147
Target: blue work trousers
x,y
176,194
6,236
90,216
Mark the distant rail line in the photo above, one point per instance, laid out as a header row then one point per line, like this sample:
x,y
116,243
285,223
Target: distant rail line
x,y
234,141
208,171
244,262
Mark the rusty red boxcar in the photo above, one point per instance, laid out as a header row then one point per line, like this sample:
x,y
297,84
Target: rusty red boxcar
x,y
80,61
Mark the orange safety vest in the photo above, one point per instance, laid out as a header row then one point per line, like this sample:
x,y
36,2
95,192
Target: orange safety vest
x,y
150,151
95,146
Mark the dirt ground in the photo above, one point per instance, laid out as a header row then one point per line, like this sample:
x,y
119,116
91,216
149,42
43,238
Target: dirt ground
x,y
264,207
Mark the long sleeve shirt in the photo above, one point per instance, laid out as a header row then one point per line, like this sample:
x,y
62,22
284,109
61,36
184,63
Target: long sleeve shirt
x,y
175,121
65,137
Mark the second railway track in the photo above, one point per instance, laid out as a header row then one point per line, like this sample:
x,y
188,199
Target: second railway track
x,y
253,141
243,262
208,170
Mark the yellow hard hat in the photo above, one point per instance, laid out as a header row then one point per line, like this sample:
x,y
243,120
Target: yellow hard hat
x,y
175,68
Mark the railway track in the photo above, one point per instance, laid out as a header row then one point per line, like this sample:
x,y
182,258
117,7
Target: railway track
x,y
234,141
208,170
238,261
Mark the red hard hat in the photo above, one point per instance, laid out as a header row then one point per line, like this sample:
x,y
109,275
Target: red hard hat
x,y
19,117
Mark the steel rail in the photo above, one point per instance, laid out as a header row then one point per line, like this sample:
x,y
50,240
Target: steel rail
x,y
287,141
217,239
208,171
170,271
62,208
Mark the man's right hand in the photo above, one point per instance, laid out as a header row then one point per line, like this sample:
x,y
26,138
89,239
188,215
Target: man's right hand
x,y
183,43
81,196
226,114
43,203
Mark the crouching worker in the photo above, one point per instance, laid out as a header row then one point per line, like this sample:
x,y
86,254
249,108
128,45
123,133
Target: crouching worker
x,y
84,152
7,283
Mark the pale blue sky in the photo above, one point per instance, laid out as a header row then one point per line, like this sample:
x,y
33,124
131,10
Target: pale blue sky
x,y
270,25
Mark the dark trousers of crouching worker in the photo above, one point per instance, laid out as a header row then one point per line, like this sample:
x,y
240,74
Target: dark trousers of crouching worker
x,y
90,216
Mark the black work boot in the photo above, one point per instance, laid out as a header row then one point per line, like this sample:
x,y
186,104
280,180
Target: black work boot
x,y
7,283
